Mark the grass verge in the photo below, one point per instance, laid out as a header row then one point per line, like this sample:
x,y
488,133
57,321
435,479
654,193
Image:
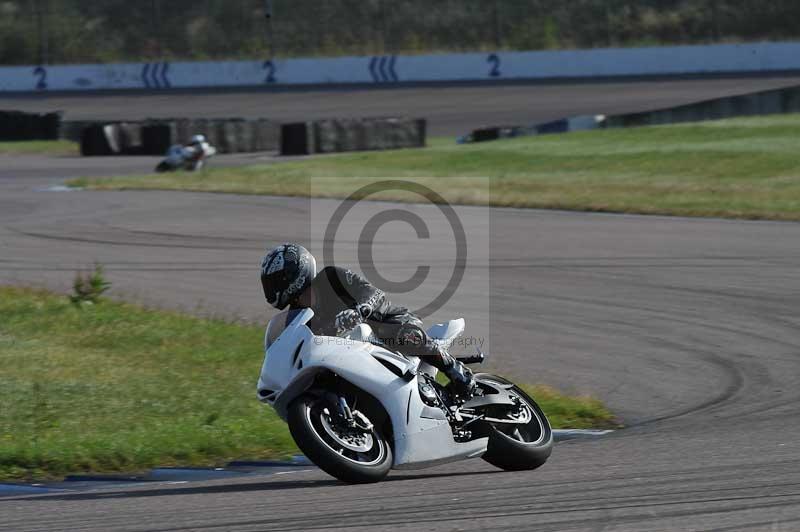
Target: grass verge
x,y
39,147
740,168
115,387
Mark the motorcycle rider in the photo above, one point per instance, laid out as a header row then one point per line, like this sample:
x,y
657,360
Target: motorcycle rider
x,y
342,299
191,156
196,152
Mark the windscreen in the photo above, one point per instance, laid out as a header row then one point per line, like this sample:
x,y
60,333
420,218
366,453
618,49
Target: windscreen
x,y
278,324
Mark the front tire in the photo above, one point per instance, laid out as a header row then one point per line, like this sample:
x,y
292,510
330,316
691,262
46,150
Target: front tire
x,y
519,447
163,166
353,458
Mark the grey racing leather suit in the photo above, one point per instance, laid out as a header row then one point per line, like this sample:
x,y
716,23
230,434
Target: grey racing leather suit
x,y
338,289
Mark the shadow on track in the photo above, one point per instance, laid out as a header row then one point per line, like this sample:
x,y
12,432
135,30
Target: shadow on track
x,y
230,488
189,490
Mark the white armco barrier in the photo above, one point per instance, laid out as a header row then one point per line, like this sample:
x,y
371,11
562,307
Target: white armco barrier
x,y
610,62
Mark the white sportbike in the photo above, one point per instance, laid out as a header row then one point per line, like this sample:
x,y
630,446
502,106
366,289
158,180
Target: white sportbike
x,y
358,409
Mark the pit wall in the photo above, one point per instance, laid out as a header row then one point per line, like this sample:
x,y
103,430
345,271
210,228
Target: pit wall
x,y
754,58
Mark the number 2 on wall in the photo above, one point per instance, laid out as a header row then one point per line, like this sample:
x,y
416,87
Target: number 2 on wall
x,y
269,66
494,60
41,82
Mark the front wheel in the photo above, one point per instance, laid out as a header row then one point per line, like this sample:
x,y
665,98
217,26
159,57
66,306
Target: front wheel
x,y
164,166
518,446
348,453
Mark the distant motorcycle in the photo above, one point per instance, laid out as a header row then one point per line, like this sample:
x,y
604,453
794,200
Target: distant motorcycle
x,y
358,409
190,157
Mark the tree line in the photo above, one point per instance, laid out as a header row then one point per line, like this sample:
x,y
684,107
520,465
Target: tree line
x,y
75,31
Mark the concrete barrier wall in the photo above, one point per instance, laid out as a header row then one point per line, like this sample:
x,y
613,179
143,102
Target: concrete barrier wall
x,y
611,62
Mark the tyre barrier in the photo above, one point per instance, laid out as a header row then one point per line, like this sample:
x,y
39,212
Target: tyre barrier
x,y
297,139
111,139
18,126
72,130
493,133
158,137
775,101
154,137
343,135
564,125
98,140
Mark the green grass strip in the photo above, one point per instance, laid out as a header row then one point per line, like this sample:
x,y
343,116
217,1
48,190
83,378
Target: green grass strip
x,y
739,168
116,387
39,147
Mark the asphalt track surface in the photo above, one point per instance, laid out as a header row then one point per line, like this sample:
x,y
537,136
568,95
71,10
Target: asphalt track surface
x,y
688,328
450,110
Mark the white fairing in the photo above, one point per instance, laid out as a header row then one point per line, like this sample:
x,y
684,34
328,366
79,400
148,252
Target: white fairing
x,y
294,356
208,150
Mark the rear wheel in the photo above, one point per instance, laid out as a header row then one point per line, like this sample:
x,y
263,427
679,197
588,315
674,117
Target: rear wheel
x,y
518,446
350,454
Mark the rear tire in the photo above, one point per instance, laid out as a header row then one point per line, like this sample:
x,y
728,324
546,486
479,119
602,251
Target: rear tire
x,y
519,448
314,434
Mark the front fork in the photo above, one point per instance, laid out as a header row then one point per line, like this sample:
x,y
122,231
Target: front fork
x,y
351,418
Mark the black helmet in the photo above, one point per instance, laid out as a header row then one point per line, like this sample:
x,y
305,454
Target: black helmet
x,y
286,271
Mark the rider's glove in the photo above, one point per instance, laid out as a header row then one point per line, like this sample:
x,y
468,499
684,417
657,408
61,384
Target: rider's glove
x,y
347,320
364,310
413,340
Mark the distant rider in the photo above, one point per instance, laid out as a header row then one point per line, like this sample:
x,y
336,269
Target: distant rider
x,y
196,152
342,299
